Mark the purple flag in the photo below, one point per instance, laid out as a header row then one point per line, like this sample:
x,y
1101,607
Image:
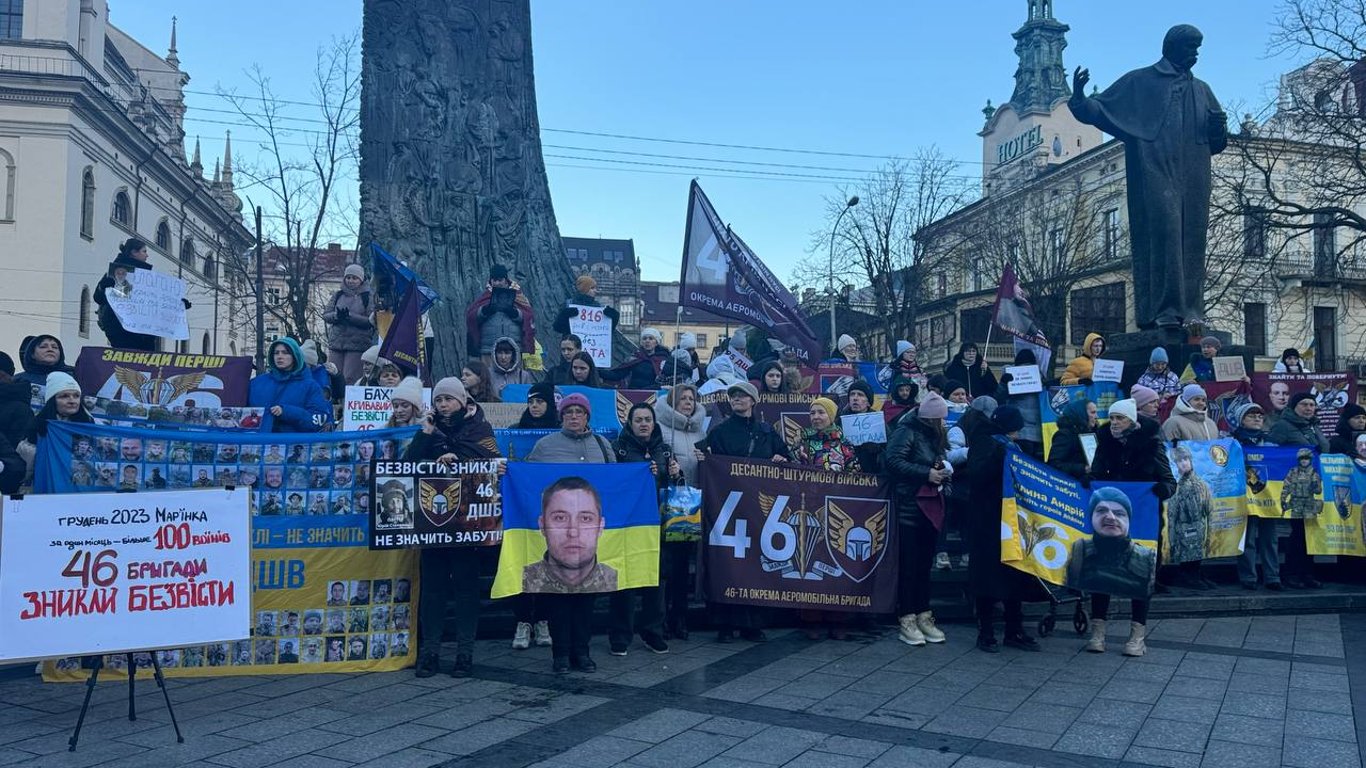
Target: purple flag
x,y
403,344
723,276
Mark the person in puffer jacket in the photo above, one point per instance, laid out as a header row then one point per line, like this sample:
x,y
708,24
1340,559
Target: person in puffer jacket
x,y
293,400
507,366
350,330
1190,417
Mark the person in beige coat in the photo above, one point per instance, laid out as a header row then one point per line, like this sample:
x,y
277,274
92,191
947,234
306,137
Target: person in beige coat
x,y
1190,418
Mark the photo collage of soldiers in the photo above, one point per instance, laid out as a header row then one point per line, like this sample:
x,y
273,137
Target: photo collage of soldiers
x,y
320,478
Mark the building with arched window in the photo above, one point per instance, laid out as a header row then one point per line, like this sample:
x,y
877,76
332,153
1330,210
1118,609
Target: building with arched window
x,y
92,153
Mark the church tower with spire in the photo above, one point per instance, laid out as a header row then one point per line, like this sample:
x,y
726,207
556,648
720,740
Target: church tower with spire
x,y
1035,128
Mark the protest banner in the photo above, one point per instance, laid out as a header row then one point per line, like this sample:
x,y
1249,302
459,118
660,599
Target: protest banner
x,y
428,505
120,413
1222,397
368,408
1332,392
860,428
1053,401
1108,370
163,381
1024,379
150,302
1265,469
571,528
825,540
1101,539
594,329
1338,528
835,378
1207,516
316,585
1013,314
111,573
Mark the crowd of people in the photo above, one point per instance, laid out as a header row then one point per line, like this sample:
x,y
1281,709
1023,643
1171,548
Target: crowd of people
x,y
945,471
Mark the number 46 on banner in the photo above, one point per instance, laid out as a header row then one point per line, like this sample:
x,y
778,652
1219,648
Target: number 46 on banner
x,y
774,529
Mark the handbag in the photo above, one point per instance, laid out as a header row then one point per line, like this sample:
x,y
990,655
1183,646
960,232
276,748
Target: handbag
x,y
680,512
931,503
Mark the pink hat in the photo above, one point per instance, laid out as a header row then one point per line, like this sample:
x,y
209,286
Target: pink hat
x,y
574,399
933,407
1142,395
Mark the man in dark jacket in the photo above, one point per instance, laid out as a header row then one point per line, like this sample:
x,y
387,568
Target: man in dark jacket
x,y
501,310
1298,424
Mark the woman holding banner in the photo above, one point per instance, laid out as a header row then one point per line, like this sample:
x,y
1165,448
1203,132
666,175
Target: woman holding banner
x,y
1262,543
292,400
63,402
1067,454
1129,449
1081,368
916,462
823,445
454,430
990,439
681,425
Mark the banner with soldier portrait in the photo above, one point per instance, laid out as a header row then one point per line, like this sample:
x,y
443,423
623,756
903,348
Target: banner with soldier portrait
x,y
319,595
168,386
788,536
428,505
1207,516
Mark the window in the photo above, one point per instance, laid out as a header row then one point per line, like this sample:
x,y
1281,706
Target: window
x,y
210,267
204,347
1111,224
701,341
273,296
975,323
187,252
11,19
123,210
1254,234
668,294
7,161
1325,339
1013,254
1254,327
1325,246
629,315
164,236
1097,310
1055,243
87,202
978,279
941,285
83,323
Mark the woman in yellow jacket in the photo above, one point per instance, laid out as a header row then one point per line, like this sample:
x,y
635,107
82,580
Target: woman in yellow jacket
x,y
1080,369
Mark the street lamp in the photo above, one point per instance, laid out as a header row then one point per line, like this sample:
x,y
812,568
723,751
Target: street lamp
x,y
830,282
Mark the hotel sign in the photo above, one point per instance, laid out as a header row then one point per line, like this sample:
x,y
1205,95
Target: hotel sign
x,y
1010,150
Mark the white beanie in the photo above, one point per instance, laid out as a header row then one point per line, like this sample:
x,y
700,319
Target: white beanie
x,y
354,270
58,382
449,386
844,341
652,332
738,341
1127,408
371,355
409,391
688,340
902,347
310,350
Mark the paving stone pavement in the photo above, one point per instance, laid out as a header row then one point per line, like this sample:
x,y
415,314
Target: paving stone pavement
x,y
1239,692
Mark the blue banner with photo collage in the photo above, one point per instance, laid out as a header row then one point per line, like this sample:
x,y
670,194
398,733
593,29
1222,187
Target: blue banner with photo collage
x,y
320,596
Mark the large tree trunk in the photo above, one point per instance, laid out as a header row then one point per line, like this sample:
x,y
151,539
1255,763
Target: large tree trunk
x,y
451,174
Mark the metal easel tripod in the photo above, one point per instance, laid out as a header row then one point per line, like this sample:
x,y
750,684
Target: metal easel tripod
x,y
132,707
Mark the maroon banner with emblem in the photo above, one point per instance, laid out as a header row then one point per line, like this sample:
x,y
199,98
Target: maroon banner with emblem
x,y
789,536
164,380
430,505
1332,392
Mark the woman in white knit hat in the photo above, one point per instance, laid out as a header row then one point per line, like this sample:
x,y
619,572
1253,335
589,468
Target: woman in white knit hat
x,y
406,402
63,402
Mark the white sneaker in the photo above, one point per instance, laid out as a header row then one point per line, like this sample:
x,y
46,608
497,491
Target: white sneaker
x,y
542,634
925,623
909,633
941,561
522,640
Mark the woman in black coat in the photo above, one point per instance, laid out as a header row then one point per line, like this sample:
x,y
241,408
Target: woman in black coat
x,y
916,461
1132,451
1066,454
970,368
991,581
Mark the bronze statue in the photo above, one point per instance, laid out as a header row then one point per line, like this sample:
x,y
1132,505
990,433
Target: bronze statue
x,y
1171,125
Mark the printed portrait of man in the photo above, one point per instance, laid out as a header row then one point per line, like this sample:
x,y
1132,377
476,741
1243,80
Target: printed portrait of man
x,y
82,449
394,509
355,650
295,504
379,647
130,449
128,478
1109,561
227,453
341,476
202,479
336,593
398,646
400,616
322,453
275,454
155,480
336,649
403,590
275,478
313,622
312,651
336,622
289,622
360,593
365,451
82,474
571,521
287,654
156,450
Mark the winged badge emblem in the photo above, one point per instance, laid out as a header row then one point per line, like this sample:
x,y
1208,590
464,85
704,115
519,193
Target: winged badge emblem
x,y
624,405
155,389
856,534
439,500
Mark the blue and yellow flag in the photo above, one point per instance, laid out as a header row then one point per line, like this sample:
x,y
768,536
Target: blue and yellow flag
x,y
573,528
1054,400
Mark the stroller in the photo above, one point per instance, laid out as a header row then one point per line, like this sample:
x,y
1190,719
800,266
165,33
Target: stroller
x,y
1057,596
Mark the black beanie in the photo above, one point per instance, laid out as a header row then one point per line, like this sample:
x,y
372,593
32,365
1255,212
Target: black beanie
x,y
498,272
544,390
864,387
1296,398
6,364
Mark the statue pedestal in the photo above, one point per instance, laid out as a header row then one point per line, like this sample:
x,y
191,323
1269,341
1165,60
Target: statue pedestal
x,y
1135,349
